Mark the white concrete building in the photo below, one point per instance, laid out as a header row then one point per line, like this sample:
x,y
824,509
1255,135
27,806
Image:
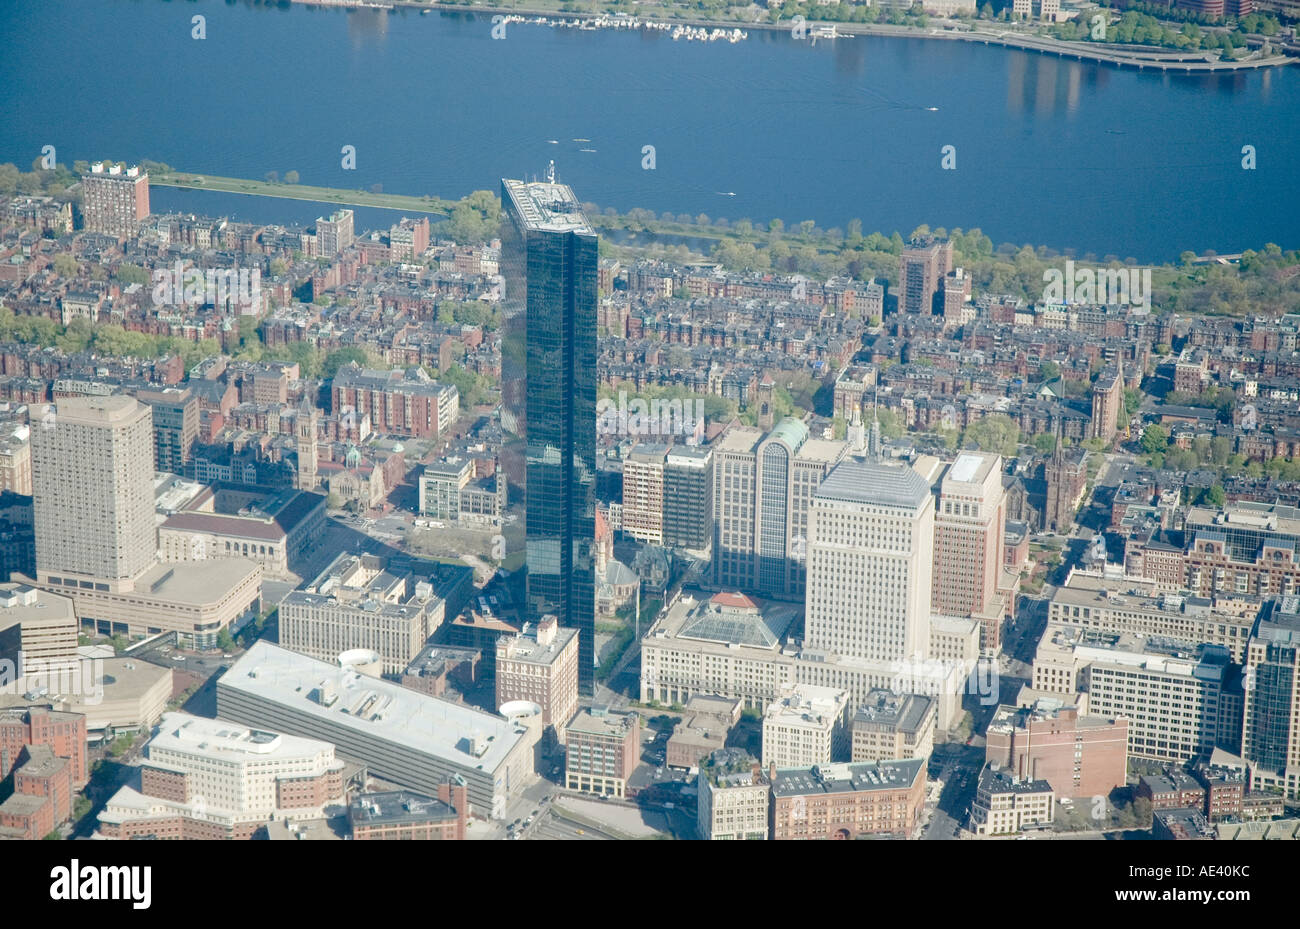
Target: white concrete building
x,y
807,725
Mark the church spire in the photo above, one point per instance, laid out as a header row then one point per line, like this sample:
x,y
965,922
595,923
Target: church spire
x,y
874,445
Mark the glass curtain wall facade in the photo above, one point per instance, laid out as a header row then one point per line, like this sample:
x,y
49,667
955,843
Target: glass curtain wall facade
x,y
549,263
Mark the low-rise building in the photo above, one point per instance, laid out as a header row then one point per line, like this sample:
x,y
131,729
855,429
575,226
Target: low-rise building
x,y
734,798
401,814
889,725
439,665
362,601
844,801
42,795
280,530
702,731
64,733
806,726
1181,825
414,741
1005,804
725,644
38,630
1169,791
207,778
601,751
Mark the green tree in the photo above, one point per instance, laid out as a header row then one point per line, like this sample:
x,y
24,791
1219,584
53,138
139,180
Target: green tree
x,y
131,274
291,177
226,641
65,265
996,433
1155,439
339,357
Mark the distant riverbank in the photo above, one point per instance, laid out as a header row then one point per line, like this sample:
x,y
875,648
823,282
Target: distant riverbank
x,y
1137,57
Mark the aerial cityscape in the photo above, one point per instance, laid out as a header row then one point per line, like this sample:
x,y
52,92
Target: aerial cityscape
x,y
575,450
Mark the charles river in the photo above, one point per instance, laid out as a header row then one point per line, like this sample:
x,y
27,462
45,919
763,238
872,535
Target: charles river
x,y
1067,154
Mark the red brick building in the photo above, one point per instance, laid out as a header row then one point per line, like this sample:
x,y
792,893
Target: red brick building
x,y
399,403
42,796
843,801
401,814
1080,756
64,733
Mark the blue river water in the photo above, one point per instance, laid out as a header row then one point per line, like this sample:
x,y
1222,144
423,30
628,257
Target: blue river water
x,y
1071,155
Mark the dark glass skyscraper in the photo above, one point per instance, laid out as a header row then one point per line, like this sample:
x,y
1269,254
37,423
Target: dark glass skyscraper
x,y
549,263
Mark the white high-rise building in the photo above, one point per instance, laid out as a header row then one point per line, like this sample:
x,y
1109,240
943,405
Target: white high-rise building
x,y
870,539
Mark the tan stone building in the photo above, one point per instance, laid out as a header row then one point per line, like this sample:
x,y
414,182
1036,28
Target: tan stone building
x,y
734,798
805,726
16,460
359,603
887,726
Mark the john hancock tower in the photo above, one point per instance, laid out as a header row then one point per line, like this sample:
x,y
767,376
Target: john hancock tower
x,y
548,384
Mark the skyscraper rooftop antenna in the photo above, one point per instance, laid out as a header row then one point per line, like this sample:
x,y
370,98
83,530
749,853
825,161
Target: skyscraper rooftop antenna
x,y
550,172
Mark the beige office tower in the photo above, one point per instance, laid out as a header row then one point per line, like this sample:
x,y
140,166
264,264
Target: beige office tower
x,y
93,482
870,542
969,524
762,487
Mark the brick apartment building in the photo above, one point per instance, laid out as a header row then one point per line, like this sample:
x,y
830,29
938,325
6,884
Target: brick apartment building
x,y
114,200
540,665
64,733
406,403
42,797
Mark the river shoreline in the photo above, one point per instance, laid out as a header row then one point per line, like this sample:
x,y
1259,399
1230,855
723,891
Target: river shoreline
x,y
1141,58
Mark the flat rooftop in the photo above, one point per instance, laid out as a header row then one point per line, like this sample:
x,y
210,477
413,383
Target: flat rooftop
x,y
901,712
1003,782
547,207
21,604
372,707
847,778
971,468
218,739
398,806
196,583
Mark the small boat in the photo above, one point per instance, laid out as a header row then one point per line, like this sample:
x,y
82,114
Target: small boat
x,y
586,150
552,141
582,140
932,109
725,193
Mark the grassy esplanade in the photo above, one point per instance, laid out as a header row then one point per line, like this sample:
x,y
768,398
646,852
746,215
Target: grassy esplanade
x,y
238,185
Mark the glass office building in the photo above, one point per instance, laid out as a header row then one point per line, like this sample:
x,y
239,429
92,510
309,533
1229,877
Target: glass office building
x,y
549,265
